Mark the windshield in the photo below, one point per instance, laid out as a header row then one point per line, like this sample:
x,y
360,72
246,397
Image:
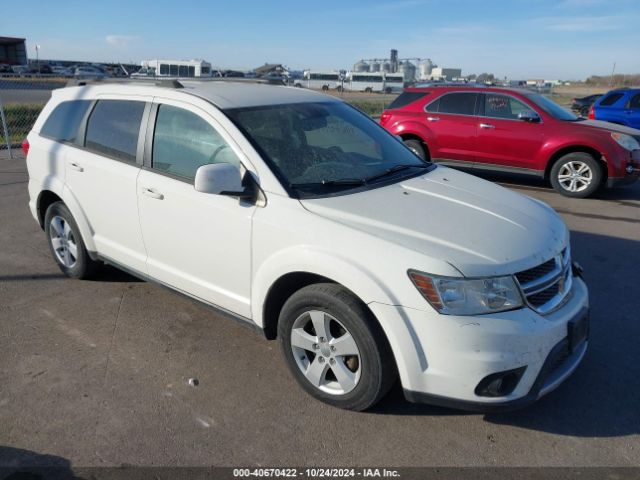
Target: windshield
x,y
552,108
319,149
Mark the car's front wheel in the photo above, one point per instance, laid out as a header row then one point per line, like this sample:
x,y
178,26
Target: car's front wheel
x,y
576,175
334,347
416,147
65,243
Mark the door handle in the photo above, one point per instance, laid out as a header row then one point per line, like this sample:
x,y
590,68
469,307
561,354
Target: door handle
x,y
153,193
486,125
75,166
433,119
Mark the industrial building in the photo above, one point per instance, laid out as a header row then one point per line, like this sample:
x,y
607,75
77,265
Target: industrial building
x,y
412,69
13,51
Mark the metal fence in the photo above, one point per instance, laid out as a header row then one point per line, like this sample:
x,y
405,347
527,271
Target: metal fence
x,y
21,100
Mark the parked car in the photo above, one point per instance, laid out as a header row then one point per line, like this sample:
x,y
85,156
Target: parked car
x,y
620,106
89,72
582,105
273,205
514,130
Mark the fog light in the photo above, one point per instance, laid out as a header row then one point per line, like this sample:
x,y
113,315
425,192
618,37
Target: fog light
x,y
630,169
500,384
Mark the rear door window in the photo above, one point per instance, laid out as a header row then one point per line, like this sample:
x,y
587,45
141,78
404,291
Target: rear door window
x,y
113,128
635,101
459,103
64,122
406,98
183,141
610,99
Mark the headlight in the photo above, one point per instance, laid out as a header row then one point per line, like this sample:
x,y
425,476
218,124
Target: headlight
x,y
461,296
625,141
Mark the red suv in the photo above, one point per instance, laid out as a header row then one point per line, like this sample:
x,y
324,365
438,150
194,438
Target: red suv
x,y
515,131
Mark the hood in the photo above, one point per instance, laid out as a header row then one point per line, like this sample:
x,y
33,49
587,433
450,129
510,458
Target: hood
x,y
478,227
612,127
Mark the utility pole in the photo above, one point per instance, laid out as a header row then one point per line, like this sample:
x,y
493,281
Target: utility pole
x,y
612,72
38,57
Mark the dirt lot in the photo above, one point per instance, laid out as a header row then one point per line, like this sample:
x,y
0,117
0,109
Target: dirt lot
x,y
96,372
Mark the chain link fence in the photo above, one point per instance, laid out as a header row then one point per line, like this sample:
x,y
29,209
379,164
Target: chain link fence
x,y
21,100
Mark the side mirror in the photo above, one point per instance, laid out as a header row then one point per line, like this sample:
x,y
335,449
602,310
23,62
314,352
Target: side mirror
x,y
222,179
529,116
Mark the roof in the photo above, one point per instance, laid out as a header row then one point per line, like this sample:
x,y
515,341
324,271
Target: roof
x,y
10,40
244,94
222,93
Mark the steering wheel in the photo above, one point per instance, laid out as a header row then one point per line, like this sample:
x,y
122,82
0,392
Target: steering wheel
x,y
216,152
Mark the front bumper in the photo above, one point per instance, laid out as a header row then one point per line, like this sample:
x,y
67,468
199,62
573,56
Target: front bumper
x,y
441,359
631,171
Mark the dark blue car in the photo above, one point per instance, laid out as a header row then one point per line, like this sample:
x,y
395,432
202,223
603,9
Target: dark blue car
x,y
620,106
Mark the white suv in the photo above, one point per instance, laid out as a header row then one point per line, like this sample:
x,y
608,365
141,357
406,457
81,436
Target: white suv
x,y
295,213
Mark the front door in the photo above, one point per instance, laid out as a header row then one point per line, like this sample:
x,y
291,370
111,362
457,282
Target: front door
x,y
196,242
504,141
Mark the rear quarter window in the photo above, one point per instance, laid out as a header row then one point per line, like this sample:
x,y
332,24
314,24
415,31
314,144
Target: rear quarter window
x,y
64,121
610,99
113,128
406,98
459,103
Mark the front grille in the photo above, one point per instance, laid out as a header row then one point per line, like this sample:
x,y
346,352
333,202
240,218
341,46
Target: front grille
x,y
546,286
536,272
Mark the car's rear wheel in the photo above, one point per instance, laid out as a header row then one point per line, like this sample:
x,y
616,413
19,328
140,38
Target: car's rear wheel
x,y
66,245
576,175
416,147
334,347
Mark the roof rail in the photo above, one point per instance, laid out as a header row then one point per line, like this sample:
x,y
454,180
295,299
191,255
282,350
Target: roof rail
x,y
125,81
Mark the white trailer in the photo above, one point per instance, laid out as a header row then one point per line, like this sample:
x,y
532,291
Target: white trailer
x,y
393,82
365,82
174,69
317,79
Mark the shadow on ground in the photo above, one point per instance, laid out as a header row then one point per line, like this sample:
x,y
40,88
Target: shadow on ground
x,y
19,464
601,398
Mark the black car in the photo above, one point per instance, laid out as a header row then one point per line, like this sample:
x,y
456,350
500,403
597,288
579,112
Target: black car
x,y
583,104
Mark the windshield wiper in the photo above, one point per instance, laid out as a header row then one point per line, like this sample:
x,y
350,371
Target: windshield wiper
x,y
328,183
392,170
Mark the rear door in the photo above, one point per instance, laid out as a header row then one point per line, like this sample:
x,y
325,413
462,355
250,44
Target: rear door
x,y
102,176
504,141
632,111
610,108
452,119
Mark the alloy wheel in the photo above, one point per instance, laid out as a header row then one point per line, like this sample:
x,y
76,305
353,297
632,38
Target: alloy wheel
x,y
63,242
325,352
575,176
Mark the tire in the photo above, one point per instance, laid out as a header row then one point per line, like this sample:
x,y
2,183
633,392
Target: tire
x,y
367,90
576,175
325,88
387,90
66,244
416,147
348,366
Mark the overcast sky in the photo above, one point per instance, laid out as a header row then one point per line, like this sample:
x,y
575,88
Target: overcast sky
x,y
567,39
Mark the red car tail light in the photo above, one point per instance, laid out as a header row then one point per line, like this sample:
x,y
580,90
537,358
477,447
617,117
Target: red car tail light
x,y
592,113
25,146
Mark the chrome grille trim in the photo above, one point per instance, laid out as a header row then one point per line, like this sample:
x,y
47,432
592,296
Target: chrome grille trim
x,y
556,283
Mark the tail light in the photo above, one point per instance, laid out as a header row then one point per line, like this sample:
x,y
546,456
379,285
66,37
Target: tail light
x,y
384,118
25,146
592,113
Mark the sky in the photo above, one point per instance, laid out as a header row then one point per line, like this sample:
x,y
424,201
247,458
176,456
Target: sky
x,y
550,39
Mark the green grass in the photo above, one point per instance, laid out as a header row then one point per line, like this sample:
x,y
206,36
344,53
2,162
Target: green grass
x,y
373,108
20,120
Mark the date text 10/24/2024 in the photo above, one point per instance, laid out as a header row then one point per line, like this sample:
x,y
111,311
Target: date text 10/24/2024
x,y
316,472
